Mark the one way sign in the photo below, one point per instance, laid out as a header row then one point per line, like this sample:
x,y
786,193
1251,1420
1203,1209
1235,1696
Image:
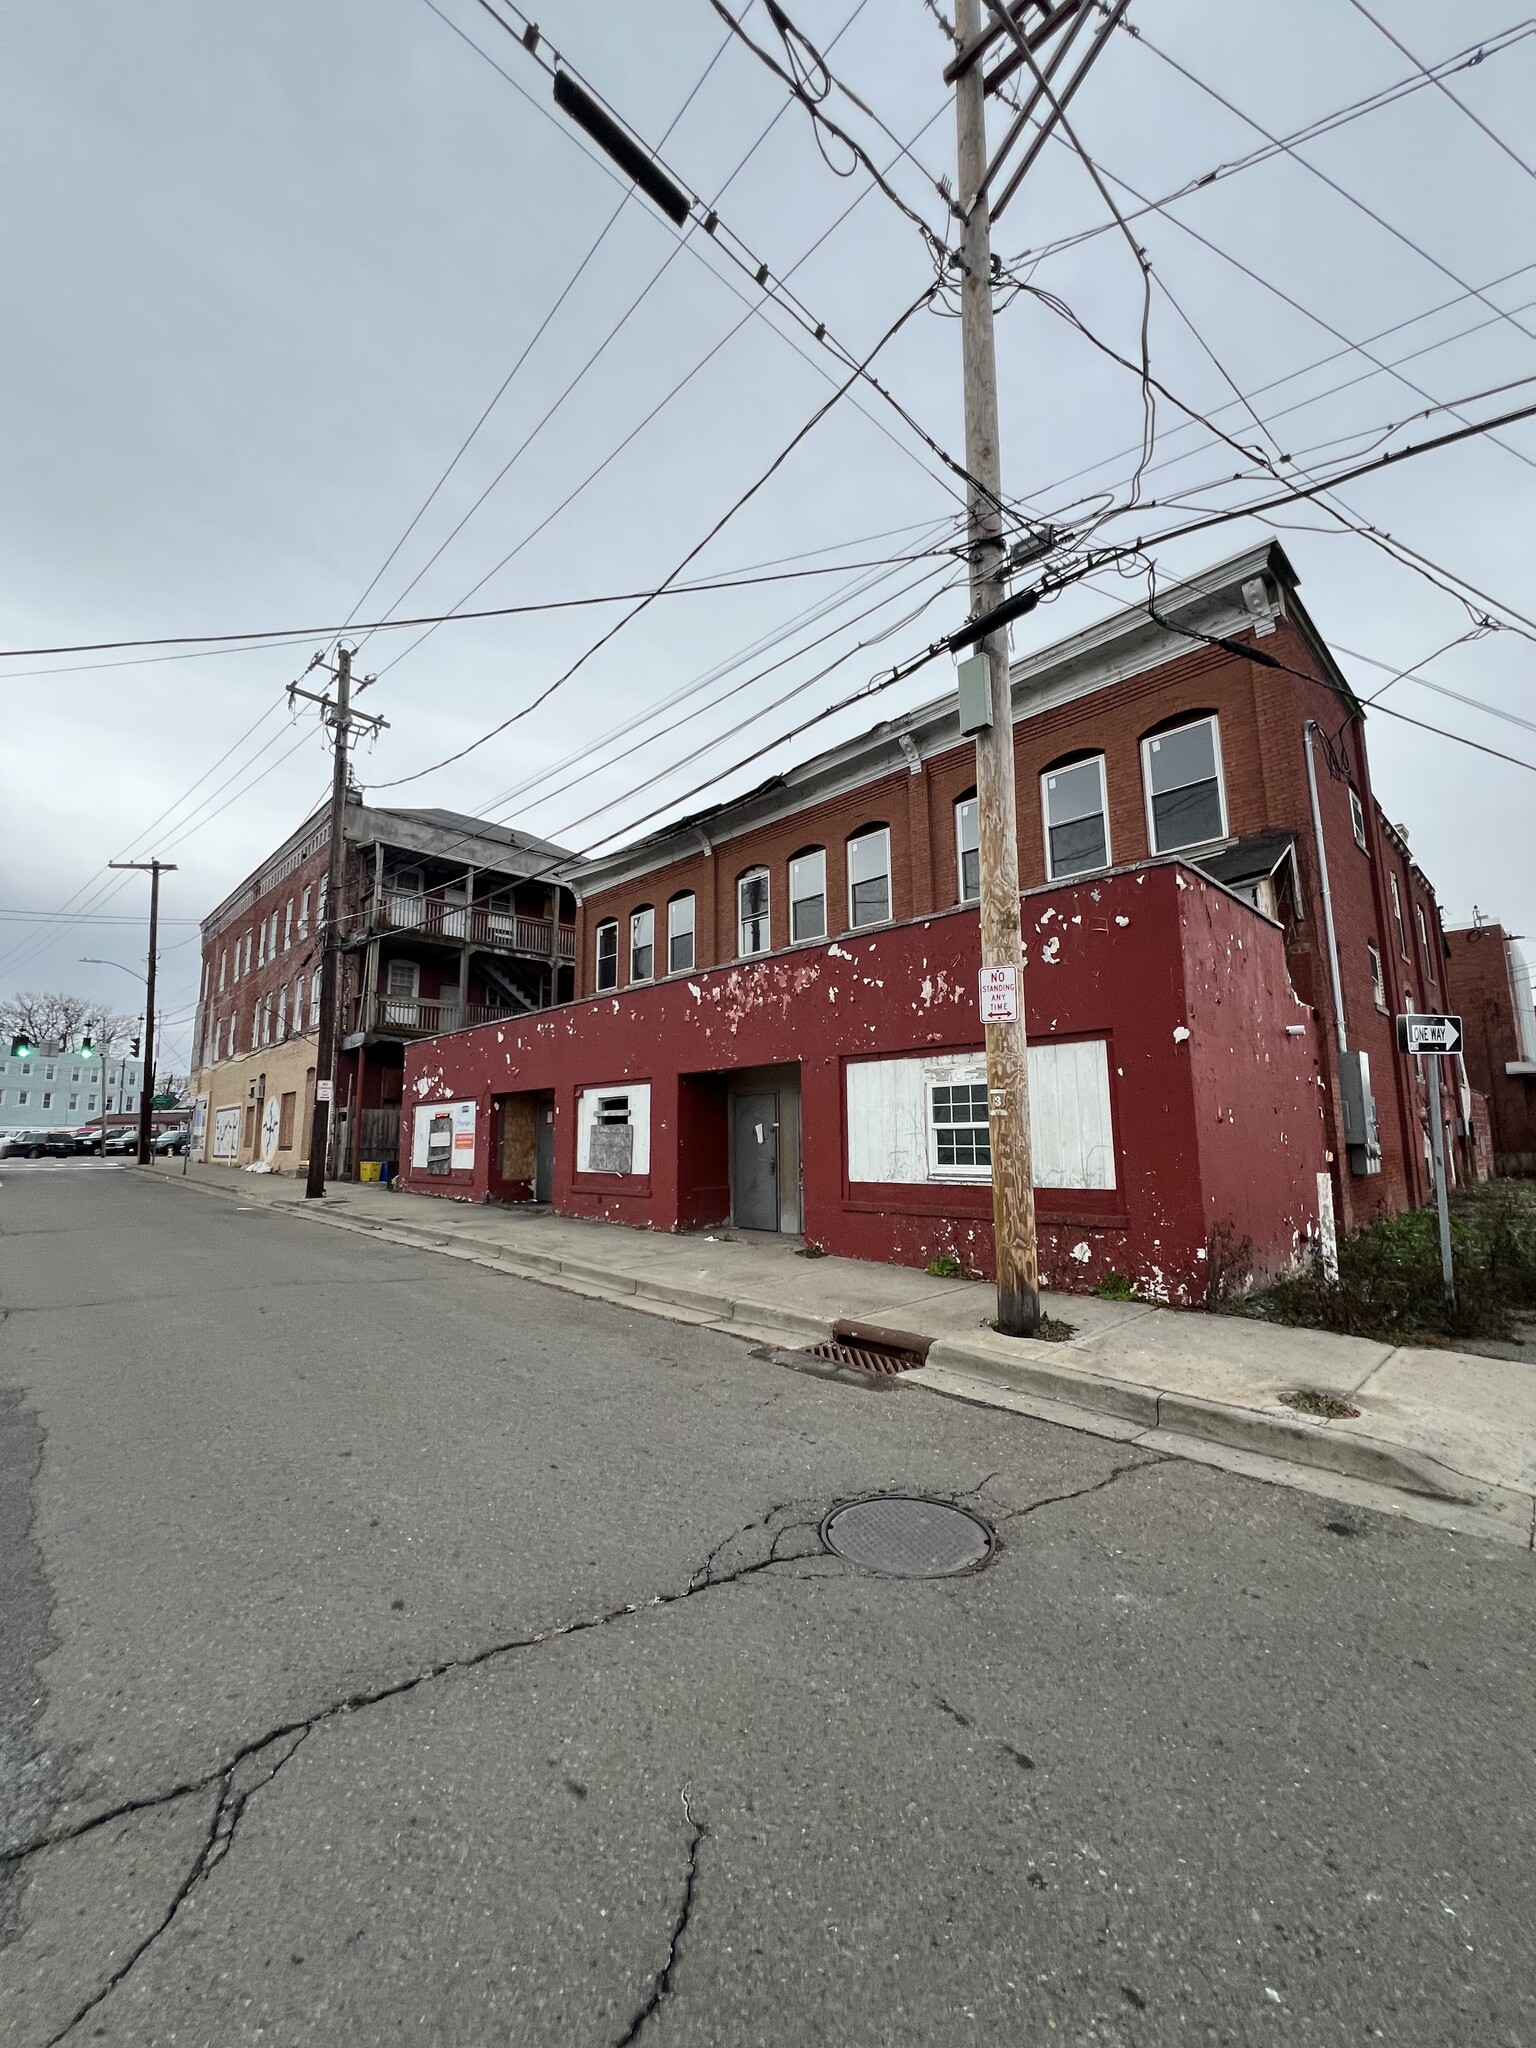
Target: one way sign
x,y
1420,1033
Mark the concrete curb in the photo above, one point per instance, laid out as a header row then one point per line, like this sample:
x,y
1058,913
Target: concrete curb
x,y
1082,1388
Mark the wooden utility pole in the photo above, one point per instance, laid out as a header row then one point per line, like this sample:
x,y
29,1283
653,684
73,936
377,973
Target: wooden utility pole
x,y
154,869
1002,946
337,712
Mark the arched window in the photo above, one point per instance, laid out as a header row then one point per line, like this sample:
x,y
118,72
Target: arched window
x,y
967,848
1181,767
642,944
1075,812
869,876
607,954
752,923
808,895
680,923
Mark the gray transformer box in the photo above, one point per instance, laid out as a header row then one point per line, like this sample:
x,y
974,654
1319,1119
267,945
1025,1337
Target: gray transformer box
x,y
1361,1135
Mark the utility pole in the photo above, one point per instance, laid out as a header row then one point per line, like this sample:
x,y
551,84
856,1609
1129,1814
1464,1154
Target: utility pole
x,y
338,714
1002,943
154,869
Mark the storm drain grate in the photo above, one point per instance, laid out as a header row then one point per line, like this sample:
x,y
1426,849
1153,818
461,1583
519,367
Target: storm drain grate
x,y
908,1536
867,1357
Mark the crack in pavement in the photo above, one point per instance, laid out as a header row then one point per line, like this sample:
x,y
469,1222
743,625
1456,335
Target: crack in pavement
x,y
256,1764
1052,1500
661,1983
228,1811
237,1782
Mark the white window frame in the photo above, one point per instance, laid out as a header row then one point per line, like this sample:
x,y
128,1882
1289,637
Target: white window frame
x,y
642,939
1378,977
1424,941
973,1171
764,917
818,855
288,924
861,839
261,943
247,952
1087,761
677,931
1397,914
282,1011
606,925
1357,818
304,901
1212,719
971,803
223,965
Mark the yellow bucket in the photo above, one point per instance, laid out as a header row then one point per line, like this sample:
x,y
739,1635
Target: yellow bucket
x,y
369,1170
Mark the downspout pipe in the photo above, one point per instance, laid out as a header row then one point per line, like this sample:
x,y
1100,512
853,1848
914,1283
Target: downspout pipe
x,y
1322,871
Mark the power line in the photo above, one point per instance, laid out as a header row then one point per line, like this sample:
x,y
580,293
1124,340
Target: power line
x,y
1350,198
1326,124
538,333
1431,77
697,549
303,634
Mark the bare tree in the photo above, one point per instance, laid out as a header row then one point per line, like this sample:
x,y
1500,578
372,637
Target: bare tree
x,y
55,1018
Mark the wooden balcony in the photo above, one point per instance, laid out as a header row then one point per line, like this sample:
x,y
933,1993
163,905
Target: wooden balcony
x,y
386,1016
494,931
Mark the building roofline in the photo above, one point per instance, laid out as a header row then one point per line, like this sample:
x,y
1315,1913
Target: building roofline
x,y
1126,643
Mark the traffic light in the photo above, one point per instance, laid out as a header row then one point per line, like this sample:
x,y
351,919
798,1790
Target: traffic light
x,y
87,1049
133,1048
22,1047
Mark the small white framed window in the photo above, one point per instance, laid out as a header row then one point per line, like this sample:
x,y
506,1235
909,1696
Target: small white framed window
x,y
960,1139
1076,815
968,849
1357,818
1378,983
223,967
642,945
808,896
1424,946
753,931
606,956
1397,915
248,952
23,1095
869,878
47,1101
1186,802
282,1013
287,924
261,943
304,901
680,934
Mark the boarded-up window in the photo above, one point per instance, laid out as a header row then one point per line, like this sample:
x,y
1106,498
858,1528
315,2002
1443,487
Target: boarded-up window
x,y
285,1115
893,1135
518,1138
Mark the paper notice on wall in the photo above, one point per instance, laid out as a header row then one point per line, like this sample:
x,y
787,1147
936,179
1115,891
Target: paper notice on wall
x,y
325,1091
997,992
463,1114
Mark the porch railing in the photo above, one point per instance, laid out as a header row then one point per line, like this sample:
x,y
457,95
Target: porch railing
x,y
417,1017
498,931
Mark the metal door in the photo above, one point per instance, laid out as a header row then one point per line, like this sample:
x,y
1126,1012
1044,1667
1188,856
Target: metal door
x,y
544,1152
755,1162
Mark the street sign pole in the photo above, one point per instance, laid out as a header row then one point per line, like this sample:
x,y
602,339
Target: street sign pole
x,y
1442,1200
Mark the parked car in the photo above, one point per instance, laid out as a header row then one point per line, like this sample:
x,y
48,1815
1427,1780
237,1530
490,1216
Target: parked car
x,y
87,1137
170,1142
121,1141
38,1145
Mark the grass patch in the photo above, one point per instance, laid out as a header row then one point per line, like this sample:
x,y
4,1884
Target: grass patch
x,y
1049,1330
944,1267
1389,1284
1115,1287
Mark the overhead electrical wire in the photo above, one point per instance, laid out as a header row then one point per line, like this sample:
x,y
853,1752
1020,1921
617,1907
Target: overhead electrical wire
x,y
744,498
1431,75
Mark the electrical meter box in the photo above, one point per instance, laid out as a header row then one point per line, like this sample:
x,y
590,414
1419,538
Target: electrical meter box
x,y
1361,1136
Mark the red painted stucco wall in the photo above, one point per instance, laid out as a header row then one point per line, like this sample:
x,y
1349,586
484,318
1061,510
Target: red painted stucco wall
x,y
1216,1127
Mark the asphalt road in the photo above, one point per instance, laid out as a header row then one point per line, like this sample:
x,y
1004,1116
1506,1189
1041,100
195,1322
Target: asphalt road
x,y
427,1657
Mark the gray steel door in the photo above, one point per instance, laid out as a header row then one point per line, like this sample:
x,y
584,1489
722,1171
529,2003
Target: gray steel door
x,y
755,1162
544,1152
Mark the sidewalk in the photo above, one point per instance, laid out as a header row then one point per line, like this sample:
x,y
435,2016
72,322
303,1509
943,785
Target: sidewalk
x,y
1444,1435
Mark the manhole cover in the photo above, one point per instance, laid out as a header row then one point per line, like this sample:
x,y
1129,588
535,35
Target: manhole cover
x,y
906,1536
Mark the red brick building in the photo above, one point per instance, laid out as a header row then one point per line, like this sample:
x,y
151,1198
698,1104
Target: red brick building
x,y
1158,760
1490,987
445,921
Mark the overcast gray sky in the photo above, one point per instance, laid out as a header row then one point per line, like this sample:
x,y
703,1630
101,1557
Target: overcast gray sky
x,y
267,265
